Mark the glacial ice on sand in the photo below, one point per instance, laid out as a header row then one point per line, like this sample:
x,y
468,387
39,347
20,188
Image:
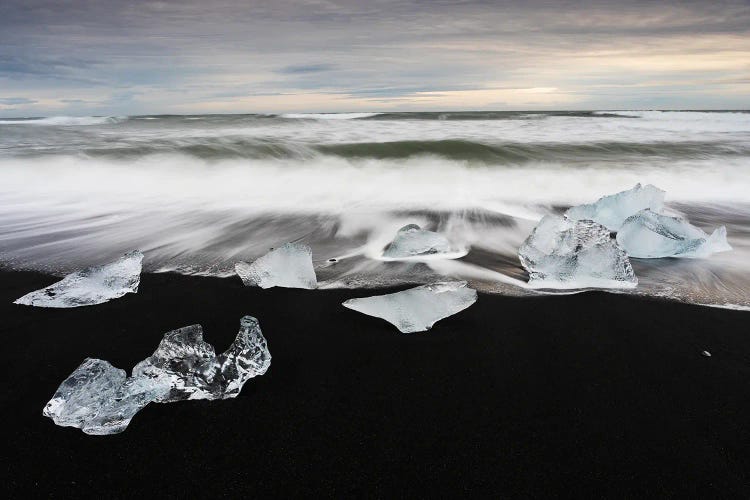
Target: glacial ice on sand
x,y
563,253
411,241
191,368
651,235
612,210
417,309
100,399
90,286
288,266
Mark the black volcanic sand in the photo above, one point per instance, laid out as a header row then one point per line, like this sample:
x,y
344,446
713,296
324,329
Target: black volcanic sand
x,y
582,395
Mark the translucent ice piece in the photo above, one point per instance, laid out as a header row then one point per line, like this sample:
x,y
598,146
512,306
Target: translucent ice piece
x,y
99,399
417,309
411,241
190,367
611,211
116,412
562,253
288,266
93,285
651,235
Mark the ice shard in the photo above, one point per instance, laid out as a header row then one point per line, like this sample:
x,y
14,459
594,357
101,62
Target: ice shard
x,y
611,211
413,241
100,399
563,253
651,235
288,266
417,309
191,368
93,285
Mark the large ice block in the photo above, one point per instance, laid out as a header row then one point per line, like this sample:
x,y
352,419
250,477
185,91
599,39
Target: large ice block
x,y
93,285
100,399
288,266
651,235
191,368
612,210
563,253
412,241
417,309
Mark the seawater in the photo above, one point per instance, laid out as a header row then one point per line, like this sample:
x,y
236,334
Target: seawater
x,y
198,193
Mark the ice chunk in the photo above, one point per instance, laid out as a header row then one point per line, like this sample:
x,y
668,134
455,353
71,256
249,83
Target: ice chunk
x,y
288,266
93,285
611,211
99,399
417,309
411,241
189,365
651,235
117,411
562,253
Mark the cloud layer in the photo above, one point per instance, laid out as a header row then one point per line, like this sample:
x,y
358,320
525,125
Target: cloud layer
x,y
136,57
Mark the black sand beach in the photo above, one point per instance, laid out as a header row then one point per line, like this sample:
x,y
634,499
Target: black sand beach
x,y
585,395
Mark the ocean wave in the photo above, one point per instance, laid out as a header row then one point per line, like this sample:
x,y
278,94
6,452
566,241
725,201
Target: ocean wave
x,y
196,216
488,115
509,153
328,116
517,153
326,183
65,121
680,115
198,193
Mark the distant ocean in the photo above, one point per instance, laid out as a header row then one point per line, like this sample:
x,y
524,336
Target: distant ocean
x,y
198,193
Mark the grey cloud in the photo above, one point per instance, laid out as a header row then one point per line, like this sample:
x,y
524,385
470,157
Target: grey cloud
x,y
380,49
11,101
303,69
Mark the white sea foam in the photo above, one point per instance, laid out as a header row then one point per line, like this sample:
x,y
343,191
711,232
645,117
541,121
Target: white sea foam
x,y
63,121
681,121
197,196
330,184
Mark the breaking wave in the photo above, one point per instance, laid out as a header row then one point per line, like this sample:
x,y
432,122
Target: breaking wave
x,y
65,121
329,183
197,193
485,153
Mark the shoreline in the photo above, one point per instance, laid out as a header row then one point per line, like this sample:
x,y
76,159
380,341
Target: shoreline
x,y
590,394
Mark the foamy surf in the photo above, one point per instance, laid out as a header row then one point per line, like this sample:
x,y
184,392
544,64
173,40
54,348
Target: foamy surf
x,y
197,194
65,121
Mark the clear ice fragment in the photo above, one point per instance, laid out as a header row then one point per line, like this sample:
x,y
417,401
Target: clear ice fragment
x,y
412,241
100,399
288,266
417,309
90,286
563,253
191,368
612,210
650,235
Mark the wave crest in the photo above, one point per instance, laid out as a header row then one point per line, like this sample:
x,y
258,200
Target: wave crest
x,y
65,121
328,116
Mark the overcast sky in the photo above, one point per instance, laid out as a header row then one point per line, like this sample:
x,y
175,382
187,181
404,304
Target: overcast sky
x,y
82,57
